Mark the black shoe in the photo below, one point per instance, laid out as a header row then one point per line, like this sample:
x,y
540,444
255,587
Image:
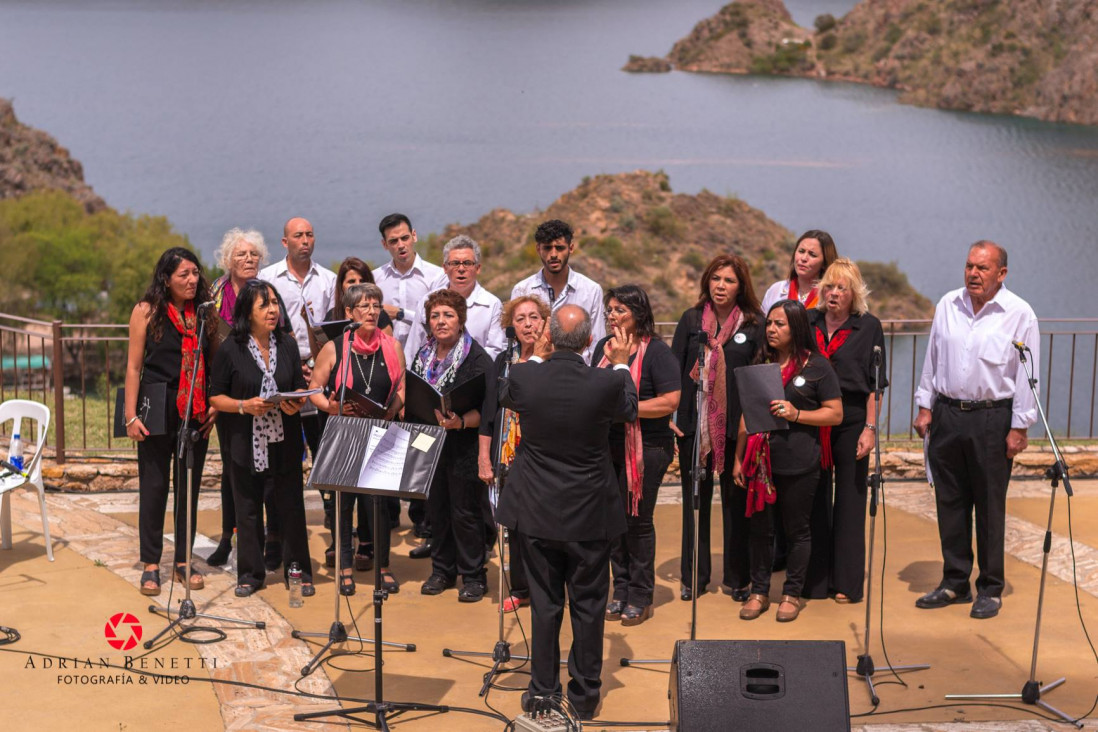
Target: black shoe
x,y
421,530
942,597
272,555
471,592
245,590
330,556
389,582
613,609
986,607
221,553
423,551
740,594
686,594
363,562
308,589
436,584
347,585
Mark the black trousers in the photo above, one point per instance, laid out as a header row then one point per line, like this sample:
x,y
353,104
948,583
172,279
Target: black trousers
x,y
841,557
228,507
286,491
970,469
737,568
518,584
365,516
457,522
581,568
633,554
156,470
794,510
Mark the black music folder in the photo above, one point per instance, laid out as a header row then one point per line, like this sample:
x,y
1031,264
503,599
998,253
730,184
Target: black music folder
x,y
421,399
322,332
758,386
152,408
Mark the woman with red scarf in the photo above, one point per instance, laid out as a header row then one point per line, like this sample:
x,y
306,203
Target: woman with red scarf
x,y
372,363
781,469
640,450
812,255
846,334
728,312
164,349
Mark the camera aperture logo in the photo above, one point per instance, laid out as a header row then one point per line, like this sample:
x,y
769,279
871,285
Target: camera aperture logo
x,y
122,631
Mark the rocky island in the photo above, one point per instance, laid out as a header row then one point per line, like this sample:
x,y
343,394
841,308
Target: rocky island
x,y
1031,58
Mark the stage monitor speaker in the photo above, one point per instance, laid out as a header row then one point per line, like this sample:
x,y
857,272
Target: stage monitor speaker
x,y
718,686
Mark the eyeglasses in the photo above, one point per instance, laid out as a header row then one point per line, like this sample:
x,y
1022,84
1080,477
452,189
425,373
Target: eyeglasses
x,y
367,307
467,264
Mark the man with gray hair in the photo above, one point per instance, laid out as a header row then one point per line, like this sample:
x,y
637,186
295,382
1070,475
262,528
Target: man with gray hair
x,y
562,498
461,266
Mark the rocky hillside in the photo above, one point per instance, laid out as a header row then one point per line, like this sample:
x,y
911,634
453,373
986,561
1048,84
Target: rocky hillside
x,y
1034,58
632,228
31,160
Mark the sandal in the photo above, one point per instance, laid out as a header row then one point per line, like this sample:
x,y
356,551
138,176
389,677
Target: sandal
x,y
364,561
245,590
150,577
330,556
389,583
346,584
180,575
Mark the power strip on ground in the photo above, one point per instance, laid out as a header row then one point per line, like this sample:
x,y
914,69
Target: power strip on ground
x,y
548,722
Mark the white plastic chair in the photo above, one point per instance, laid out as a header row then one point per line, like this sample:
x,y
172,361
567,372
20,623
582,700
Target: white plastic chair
x,y
20,409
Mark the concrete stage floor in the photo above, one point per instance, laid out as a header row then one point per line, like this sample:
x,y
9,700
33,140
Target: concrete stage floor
x,y
61,610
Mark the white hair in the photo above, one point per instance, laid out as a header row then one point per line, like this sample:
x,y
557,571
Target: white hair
x,y
224,253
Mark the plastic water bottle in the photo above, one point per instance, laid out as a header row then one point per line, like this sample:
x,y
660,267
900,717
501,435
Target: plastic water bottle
x,y
15,451
296,600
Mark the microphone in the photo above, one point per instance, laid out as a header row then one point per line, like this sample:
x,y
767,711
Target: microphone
x,y
351,327
1022,347
511,333
877,355
703,338
205,306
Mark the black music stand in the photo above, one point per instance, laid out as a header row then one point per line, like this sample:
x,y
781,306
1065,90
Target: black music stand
x,y
381,459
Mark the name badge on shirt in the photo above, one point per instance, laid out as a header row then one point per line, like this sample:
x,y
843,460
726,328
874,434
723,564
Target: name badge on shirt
x,y
799,381
739,338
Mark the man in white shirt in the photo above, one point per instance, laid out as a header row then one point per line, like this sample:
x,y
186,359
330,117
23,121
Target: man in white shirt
x,y
407,278
976,405
558,284
461,264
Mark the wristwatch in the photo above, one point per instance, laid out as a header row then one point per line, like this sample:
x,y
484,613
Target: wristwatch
x,y
400,314
311,362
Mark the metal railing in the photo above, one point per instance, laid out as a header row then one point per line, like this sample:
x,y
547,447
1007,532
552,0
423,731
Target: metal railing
x,y
78,368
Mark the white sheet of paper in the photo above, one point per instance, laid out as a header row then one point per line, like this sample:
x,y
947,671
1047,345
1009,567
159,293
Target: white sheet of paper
x,y
423,442
386,452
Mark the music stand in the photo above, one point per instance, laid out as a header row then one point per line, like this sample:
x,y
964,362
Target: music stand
x,y
381,459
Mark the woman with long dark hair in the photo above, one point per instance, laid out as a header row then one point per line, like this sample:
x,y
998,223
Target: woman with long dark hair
x,y
640,450
164,349
728,312
371,363
259,360
812,255
783,467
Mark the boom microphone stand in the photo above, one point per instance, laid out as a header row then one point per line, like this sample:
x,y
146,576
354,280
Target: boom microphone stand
x,y
337,633
865,667
697,476
184,462
501,653
1033,689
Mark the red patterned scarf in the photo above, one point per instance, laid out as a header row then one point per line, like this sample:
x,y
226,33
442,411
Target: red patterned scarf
x,y
828,350
192,354
756,461
634,444
712,421
810,300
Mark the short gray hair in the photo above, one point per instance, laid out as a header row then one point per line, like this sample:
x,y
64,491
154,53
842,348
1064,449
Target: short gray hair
x,y
224,253
461,241
354,293
574,340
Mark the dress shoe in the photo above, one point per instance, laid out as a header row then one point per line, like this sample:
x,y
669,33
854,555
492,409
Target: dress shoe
x,y
986,607
755,606
308,589
436,584
347,584
941,597
423,551
788,616
686,594
471,592
633,615
613,609
739,594
389,582
221,553
421,530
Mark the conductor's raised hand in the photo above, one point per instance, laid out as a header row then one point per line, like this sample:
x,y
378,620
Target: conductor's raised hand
x,y
618,348
543,346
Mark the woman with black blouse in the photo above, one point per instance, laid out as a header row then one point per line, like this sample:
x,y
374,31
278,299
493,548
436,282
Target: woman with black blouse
x,y
846,334
372,364
258,360
728,312
449,358
640,450
164,349
783,467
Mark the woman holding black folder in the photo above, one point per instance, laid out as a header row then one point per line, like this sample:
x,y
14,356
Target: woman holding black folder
x,y
259,360
449,358
781,469
371,363
164,349
728,312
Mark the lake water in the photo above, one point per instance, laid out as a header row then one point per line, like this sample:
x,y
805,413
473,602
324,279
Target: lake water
x,y
218,114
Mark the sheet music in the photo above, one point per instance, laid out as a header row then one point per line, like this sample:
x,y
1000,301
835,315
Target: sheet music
x,y
386,452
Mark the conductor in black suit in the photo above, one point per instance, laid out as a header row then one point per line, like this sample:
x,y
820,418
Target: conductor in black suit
x,y
562,496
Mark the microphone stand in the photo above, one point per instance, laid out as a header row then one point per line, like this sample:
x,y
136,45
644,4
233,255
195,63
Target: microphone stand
x,y
337,633
875,482
501,653
697,476
1033,689
184,461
